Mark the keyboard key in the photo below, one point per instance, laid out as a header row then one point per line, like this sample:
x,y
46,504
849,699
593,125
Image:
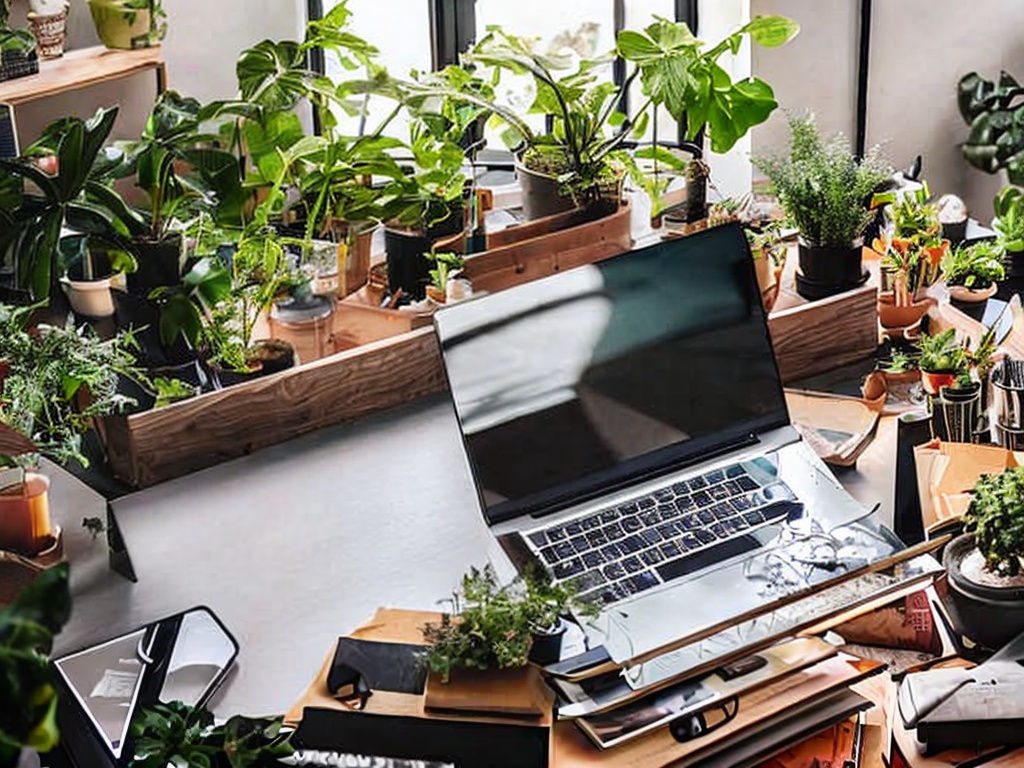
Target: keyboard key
x,y
747,483
652,556
614,531
667,510
695,561
706,516
704,537
631,545
670,549
646,502
701,498
567,569
642,581
690,523
580,543
597,538
539,538
549,555
650,536
632,564
591,522
668,530
722,511
650,517
631,524
611,552
684,504
613,571
556,534
740,503
734,488
690,541
574,528
714,476
609,516
564,550
754,517
737,524
719,492
719,530
781,510
664,494
736,470
628,508
697,483
593,559
681,487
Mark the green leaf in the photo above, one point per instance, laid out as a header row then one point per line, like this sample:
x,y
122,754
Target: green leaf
x,y
772,31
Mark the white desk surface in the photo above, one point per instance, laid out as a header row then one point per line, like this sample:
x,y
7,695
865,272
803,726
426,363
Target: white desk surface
x,y
301,542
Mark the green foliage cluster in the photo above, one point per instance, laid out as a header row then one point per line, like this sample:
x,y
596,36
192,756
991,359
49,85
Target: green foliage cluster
x,y
445,264
995,114
941,353
493,624
974,265
823,188
58,380
28,716
996,518
1009,220
181,736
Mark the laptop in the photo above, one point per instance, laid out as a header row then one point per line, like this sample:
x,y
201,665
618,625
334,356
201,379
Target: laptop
x,y
626,429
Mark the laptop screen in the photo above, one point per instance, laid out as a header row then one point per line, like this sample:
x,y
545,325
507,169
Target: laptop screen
x,y
582,382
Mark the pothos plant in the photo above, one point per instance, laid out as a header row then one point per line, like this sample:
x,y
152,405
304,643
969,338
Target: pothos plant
x,y
27,628
17,41
994,517
179,735
675,72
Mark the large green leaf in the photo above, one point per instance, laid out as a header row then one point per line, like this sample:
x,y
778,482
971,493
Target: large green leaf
x,y
771,31
272,74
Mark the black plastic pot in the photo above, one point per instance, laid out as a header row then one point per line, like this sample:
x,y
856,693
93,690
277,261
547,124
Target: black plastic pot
x,y
274,355
1013,262
547,646
159,264
990,616
541,194
408,268
143,317
827,270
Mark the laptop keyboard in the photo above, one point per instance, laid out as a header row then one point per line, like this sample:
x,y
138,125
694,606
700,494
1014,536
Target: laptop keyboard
x,y
614,553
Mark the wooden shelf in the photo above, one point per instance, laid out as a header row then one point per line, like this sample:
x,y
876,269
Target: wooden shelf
x,y
80,69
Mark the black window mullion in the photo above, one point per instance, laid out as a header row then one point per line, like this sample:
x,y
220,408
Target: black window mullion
x,y
315,60
687,10
452,30
619,67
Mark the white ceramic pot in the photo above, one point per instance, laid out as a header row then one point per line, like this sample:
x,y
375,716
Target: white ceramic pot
x,y
90,298
47,7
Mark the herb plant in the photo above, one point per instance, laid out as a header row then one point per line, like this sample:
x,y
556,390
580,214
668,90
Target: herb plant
x,y
445,264
1009,220
823,188
178,735
492,625
976,265
941,353
28,716
996,518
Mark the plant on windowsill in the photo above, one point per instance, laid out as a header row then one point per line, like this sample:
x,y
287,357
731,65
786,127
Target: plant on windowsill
x,y
580,161
826,192
972,271
984,564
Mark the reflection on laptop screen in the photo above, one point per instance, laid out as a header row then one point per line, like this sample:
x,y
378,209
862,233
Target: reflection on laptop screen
x,y
568,385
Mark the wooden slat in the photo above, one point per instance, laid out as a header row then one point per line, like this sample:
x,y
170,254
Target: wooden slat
x,y
79,69
516,233
829,333
193,434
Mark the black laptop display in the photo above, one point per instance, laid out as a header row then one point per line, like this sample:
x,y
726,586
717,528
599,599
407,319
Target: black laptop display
x,y
600,375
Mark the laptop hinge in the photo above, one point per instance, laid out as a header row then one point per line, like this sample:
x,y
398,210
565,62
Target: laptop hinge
x,y
714,452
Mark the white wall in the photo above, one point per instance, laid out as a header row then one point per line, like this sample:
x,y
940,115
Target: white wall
x,y
203,41
919,50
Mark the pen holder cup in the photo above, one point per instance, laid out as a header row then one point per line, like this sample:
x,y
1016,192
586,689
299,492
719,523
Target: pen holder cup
x,y
1008,402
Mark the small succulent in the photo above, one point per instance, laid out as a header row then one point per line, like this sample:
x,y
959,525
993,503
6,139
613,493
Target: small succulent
x,y
996,518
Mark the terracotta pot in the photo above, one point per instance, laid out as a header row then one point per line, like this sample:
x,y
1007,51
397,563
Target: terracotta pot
x,y
933,382
971,295
892,316
25,525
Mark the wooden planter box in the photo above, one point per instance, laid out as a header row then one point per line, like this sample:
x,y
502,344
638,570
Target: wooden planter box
x,y
391,362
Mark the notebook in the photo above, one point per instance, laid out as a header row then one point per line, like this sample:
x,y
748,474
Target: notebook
x,y
626,429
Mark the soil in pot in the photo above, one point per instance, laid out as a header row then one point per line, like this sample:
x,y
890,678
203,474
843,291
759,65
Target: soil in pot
x,y
985,607
825,270
273,355
223,377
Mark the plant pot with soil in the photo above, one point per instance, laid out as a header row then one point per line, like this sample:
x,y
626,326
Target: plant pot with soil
x,y
408,250
941,359
972,272
986,585
826,191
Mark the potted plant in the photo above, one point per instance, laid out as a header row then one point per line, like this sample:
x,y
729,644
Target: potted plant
x,y
129,24
1009,226
940,359
984,564
178,734
825,191
578,158
27,628
58,380
492,626
447,267
995,114
71,195
769,252
972,271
